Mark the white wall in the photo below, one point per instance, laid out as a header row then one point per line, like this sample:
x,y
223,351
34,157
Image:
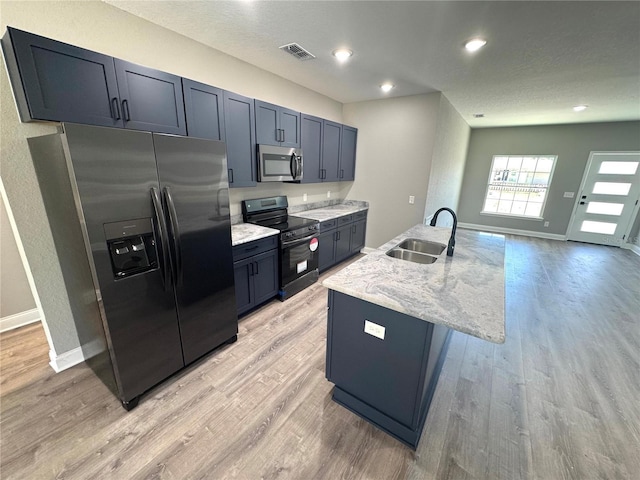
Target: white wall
x,y
447,162
103,28
396,138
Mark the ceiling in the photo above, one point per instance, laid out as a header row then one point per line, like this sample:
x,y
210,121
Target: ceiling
x,y
541,59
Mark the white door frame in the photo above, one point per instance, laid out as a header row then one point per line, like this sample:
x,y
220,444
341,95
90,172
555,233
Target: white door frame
x,y
636,208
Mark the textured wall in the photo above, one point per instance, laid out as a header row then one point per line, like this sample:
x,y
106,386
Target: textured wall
x,y
396,137
447,162
103,28
571,143
15,293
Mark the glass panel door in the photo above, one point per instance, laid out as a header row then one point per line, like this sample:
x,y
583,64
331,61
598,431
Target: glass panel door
x,y
608,198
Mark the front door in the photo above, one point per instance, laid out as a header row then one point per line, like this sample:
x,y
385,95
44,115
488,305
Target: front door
x,y
608,200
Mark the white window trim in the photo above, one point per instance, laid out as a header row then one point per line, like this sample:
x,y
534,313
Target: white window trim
x,y
546,197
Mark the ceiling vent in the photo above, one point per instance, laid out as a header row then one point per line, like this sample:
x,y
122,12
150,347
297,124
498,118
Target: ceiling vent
x,y
297,51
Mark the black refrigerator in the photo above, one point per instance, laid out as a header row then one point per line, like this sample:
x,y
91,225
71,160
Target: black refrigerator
x,y
141,226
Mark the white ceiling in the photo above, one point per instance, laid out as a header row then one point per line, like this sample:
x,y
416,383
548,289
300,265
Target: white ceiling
x,y
541,57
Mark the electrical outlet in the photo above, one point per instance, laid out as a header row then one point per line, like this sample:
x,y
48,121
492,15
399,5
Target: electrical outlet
x,y
412,199
328,193
546,224
304,197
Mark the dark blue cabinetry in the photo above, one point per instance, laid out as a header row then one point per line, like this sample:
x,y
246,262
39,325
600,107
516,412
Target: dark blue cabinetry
x,y
387,374
63,83
59,82
340,238
241,140
256,272
329,150
204,110
150,100
348,153
277,125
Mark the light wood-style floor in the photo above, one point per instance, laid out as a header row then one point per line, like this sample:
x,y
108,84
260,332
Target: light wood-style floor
x,y
559,400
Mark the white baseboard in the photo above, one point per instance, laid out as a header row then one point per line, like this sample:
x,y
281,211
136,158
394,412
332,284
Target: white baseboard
x,y
19,319
65,360
74,357
630,246
512,231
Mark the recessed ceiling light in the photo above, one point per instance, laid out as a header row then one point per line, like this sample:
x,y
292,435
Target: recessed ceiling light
x,y
342,54
579,108
386,87
475,44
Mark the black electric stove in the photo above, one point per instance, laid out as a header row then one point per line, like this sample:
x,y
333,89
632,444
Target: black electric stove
x,y
298,241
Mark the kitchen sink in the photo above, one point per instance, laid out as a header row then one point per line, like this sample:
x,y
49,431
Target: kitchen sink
x,y
422,246
411,256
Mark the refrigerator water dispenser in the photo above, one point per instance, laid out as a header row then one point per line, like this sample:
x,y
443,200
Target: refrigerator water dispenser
x,y
131,246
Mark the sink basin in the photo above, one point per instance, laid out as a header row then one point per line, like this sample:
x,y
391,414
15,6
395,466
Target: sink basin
x,y
411,256
422,246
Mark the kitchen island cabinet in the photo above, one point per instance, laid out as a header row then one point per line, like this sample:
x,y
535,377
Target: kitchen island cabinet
x,y
389,322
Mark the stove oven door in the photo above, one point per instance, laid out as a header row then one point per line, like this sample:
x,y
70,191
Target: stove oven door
x,y
299,257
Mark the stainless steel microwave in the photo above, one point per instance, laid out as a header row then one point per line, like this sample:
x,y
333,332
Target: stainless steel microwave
x,y
279,164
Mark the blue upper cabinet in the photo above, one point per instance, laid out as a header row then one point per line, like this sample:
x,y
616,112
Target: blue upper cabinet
x,y
331,151
348,153
277,125
311,132
204,110
241,140
150,100
59,82
62,83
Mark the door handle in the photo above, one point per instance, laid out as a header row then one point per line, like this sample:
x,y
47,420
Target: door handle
x,y
115,108
256,263
251,268
231,175
282,130
582,203
174,233
125,110
161,240
341,173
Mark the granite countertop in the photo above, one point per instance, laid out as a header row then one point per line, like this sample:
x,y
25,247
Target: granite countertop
x,y
464,292
248,232
334,211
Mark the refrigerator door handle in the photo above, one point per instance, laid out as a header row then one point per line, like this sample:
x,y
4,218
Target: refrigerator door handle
x,y
174,234
161,239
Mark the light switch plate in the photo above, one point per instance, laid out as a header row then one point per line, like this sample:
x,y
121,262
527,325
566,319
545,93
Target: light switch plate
x,y
568,194
374,329
412,199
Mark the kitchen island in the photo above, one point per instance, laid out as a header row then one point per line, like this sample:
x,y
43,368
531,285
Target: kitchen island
x,y
390,321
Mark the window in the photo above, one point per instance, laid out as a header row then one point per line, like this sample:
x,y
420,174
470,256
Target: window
x,y
518,185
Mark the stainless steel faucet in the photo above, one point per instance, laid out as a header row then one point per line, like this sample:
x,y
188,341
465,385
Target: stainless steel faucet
x,y
452,239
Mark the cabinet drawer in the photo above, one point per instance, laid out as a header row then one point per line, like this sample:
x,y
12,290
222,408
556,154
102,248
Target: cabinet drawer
x,y
248,249
345,220
360,215
328,224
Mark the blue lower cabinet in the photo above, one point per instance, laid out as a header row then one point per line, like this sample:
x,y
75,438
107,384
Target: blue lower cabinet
x,y
385,365
256,276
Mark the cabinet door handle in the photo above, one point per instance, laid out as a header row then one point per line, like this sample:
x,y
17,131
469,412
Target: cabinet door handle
x,y
282,130
341,173
251,272
125,110
338,235
256,264
115,108
353,229
231,175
